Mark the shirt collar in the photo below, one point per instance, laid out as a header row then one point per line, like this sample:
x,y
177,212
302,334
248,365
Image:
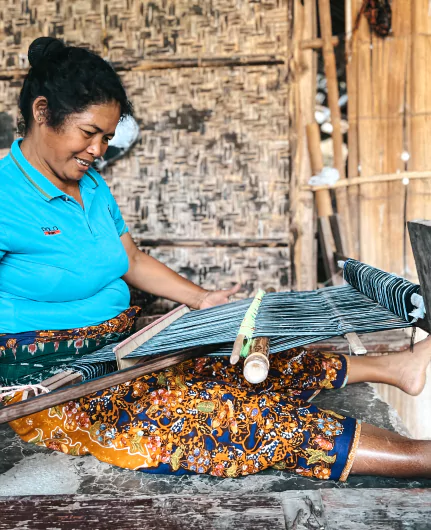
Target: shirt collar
x,y
90,179
46,189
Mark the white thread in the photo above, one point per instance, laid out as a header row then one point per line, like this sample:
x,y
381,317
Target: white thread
x,y
10,390
418,301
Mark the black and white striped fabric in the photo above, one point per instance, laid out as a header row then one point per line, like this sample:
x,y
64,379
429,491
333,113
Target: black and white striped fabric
x,y
373,301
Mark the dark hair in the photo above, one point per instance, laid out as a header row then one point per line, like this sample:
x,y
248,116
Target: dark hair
x,y
71,79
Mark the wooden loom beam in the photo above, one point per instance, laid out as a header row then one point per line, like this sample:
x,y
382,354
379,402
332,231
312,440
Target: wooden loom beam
x,y
45,401
420,238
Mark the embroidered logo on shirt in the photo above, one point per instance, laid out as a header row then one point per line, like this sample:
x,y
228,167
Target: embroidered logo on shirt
x,y
50,231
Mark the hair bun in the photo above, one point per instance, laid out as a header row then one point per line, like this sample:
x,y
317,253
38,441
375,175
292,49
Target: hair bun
x,y
44,48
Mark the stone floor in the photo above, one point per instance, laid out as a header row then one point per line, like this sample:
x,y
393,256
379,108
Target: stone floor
x,y
26,469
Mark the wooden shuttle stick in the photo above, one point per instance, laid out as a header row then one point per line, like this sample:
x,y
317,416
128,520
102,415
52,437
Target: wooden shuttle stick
x,y
355,344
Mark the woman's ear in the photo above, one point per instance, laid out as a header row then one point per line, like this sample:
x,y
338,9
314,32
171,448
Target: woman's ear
x,y
40,109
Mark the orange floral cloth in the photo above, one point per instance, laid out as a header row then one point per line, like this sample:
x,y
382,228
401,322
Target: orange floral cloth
x,y
202,416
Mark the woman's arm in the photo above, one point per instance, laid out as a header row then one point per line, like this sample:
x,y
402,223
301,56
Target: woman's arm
x,y
148,274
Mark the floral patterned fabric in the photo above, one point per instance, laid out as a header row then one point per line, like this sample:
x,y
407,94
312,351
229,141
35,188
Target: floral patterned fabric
x,y
202,416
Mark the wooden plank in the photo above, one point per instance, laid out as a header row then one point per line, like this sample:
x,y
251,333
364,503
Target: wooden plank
x,y
420,237
317,44
170,512
377,509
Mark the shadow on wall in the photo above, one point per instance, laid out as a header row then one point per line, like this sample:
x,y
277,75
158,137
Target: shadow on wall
x,y
7,130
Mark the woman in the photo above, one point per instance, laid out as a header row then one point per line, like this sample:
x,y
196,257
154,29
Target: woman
x,y
66,259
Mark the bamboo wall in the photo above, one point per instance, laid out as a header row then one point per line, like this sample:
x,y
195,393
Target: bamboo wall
x,y
389,113
206,190
389,84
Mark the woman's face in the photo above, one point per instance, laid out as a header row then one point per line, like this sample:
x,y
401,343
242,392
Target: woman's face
x,y
69,152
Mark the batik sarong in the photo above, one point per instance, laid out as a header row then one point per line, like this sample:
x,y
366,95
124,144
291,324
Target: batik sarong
x,y
202,416
33,356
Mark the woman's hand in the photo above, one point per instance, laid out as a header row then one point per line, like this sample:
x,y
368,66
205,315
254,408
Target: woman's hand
x,y
213,298
148,274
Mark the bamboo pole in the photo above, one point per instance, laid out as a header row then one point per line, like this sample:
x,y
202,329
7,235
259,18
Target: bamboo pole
x,y
317,44
353,137
168,64
323,197
389,177
333,97
303,105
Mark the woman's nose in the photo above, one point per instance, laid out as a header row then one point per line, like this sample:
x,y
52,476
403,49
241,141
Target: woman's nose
x,y
96,149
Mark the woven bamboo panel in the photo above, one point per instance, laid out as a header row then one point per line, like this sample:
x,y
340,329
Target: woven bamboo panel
x,y
127,31
253,268
213,160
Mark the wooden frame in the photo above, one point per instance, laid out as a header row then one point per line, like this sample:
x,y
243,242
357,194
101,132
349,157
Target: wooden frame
x,y
420,238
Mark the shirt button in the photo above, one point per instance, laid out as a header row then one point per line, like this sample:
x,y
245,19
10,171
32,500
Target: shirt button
x,y
66,198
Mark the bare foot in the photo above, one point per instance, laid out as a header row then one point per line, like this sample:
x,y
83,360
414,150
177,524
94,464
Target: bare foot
x,y
411,367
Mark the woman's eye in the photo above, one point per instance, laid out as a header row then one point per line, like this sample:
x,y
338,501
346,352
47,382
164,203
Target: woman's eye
x,y
88,133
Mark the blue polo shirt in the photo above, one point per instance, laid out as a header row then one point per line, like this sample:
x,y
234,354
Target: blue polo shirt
x,y
60,264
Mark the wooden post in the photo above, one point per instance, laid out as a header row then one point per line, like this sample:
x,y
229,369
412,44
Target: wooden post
x,y
323,206
302,102
353,160
333,97
420,238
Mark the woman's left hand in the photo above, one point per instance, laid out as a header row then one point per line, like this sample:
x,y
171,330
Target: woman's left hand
x,y
213,298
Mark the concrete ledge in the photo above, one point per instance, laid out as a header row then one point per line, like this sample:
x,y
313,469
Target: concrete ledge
x,y
26,469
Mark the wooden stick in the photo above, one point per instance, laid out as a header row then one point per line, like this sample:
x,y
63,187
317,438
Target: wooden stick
x,y
317,44
143,335
237,347
45,401
332,82
168,64
410,175
323,197
355,344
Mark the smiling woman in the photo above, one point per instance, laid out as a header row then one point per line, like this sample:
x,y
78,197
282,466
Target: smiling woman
x,y
66,259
